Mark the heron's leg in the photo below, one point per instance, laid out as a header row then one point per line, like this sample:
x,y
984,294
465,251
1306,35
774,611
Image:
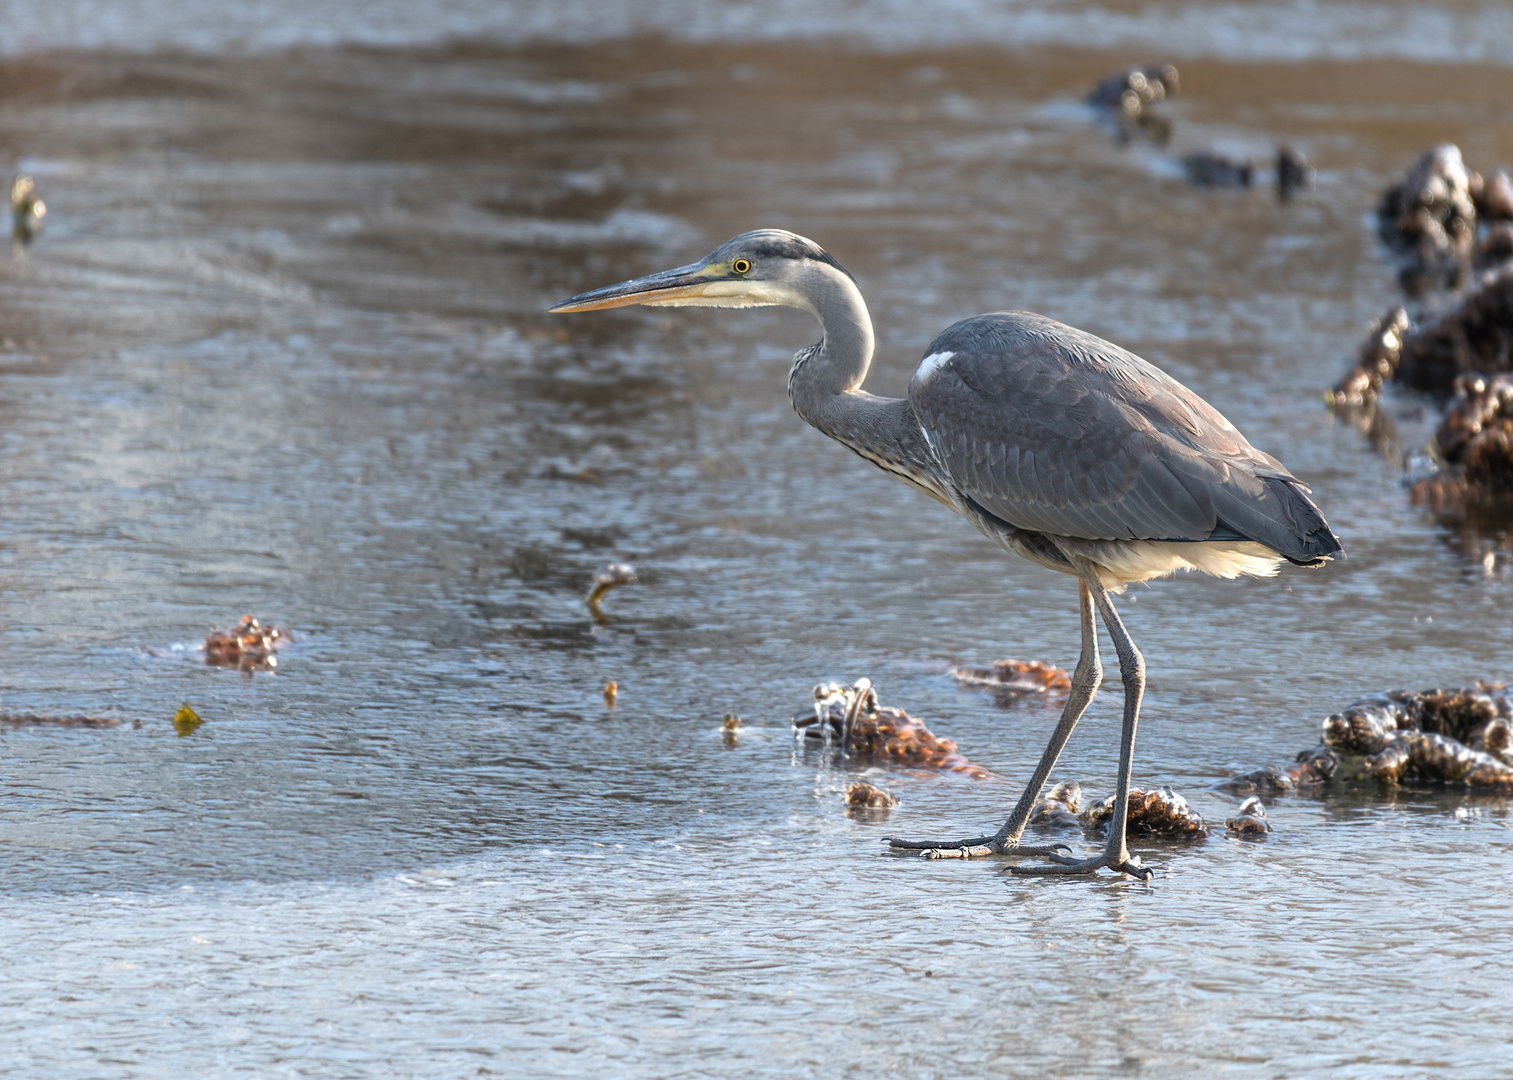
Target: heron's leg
x,y
1085,680
1116,854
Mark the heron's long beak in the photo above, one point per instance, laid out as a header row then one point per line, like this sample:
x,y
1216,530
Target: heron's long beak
x,y
670,287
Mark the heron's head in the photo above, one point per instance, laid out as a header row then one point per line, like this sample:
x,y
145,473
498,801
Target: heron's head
x,y
764,268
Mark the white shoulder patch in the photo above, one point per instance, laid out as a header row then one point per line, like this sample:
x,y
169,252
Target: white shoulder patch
x,y
930,365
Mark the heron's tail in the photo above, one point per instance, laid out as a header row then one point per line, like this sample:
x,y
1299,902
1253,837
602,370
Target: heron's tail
x,y
1284,519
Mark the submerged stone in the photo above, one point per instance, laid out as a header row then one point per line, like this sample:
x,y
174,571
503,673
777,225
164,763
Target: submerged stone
x,y
1250,822
1058,809
1209,168
1294,173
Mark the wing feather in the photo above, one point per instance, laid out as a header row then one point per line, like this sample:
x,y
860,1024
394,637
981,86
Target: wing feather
x,y
1056,431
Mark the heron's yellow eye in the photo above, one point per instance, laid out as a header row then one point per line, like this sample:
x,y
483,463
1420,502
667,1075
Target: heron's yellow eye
x,y
741,266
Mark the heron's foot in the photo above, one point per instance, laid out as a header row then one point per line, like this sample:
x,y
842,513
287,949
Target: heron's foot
x,y
975,848
1120,862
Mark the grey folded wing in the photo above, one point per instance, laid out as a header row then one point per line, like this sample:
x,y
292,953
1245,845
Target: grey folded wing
x,y
1056,431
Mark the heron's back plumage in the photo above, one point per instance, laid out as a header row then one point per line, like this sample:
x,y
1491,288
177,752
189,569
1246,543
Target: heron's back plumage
x,y
1055,431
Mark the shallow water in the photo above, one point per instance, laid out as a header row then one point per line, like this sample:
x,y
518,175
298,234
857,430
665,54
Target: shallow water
x,y
281,350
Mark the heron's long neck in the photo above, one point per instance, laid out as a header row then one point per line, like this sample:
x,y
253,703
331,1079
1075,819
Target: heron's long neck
x,y
825,385
826,375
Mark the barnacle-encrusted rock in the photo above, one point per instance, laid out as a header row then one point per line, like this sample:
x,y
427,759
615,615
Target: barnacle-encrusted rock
x,y
1423,755
851,717
1016,676
1428,215
1159,812
1130,97
1441,218
1380,354
1269,780
1464,715
1456,736
1059,807
1250,822
1494,738
1472,336
1312,768
1492,196
1495,245
1443,736
1135,89
1475,443
1360,726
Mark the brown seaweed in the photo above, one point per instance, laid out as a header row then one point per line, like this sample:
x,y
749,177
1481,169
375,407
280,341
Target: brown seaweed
x,y
868,795
852,717
248,646
44,720
1016,676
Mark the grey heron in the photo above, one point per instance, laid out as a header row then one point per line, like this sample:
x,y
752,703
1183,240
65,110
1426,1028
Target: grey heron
x,y
1059,446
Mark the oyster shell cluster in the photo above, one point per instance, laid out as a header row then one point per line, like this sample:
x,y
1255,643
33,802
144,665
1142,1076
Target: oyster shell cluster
x,y
1159,812
1459,737
851,717
1441,218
